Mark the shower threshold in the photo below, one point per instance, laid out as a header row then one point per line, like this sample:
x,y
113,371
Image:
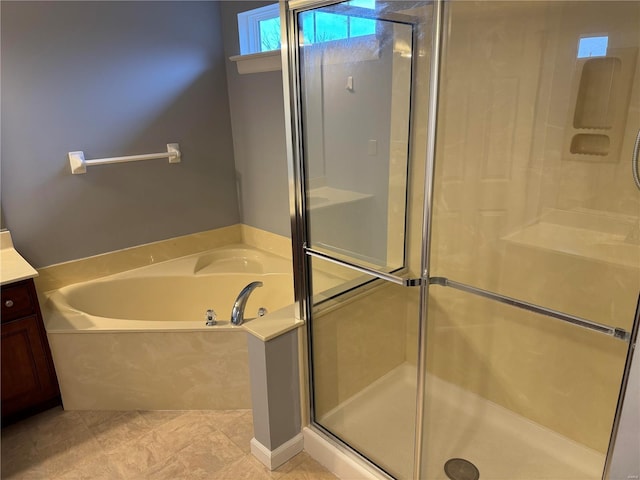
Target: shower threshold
x,y
380,420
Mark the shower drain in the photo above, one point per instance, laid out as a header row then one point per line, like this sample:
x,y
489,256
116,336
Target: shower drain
x,y
461,469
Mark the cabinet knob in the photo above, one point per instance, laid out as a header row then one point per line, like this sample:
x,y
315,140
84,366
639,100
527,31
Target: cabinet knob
x,y
8,303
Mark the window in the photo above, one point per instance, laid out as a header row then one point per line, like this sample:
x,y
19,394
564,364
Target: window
x,y
593,47
319,27
259,29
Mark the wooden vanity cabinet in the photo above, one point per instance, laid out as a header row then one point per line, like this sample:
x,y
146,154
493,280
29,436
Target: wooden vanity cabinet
x,y
29,383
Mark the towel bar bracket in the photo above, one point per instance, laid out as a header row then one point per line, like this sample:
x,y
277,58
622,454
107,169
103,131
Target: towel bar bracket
x,y
77,162
173,150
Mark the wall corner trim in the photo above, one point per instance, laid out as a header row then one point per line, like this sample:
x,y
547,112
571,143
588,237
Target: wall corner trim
x,y
285,452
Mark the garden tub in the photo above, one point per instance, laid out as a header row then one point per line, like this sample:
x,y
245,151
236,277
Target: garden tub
x,y
138,340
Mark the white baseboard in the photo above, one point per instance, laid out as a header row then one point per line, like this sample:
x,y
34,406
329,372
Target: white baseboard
x,y
334,459
273,459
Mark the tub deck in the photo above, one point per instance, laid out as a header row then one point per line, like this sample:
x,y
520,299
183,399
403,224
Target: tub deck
x,y
174,296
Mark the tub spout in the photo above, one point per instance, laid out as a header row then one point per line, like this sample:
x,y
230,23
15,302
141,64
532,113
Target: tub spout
x,y
237,312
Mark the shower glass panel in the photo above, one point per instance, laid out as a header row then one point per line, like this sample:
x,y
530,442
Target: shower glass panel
x,y
356,84
517,211
519,395
530,205
364,369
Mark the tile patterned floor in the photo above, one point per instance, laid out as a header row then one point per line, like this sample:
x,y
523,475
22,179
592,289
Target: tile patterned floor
x,y
96,445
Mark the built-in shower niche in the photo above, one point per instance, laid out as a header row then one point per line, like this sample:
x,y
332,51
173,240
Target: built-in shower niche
x,y
598,106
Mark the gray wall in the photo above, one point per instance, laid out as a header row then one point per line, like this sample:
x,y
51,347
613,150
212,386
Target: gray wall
x,y
257,117
113,78
275,388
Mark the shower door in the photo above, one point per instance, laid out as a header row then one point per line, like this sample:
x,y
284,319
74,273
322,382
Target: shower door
x,y
361,65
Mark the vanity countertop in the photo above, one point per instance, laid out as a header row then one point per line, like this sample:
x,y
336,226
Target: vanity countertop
x,y
13,267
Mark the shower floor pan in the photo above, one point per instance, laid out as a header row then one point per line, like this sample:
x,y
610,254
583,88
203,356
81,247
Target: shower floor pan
x,y
459,424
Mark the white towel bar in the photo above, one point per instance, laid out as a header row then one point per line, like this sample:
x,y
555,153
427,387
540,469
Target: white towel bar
x,y
79,164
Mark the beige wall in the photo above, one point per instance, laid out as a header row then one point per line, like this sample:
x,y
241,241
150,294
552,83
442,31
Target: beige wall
x,y
358,341
593,185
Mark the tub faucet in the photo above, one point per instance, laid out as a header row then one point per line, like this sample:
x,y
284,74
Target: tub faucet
x,y
237,312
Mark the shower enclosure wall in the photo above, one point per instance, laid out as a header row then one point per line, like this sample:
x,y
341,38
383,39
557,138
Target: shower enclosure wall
x,y
461,177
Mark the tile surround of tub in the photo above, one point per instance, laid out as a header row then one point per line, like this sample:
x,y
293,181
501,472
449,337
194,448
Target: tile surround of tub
x,y
57,276
152,370
270,242
60,275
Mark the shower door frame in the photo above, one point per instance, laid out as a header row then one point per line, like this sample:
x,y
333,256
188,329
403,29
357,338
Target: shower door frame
x,y
293,122
295,162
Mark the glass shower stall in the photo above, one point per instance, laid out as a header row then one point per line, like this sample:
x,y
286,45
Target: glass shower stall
x,y
466,229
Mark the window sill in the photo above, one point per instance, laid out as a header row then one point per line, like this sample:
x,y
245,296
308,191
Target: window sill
x,y
258,62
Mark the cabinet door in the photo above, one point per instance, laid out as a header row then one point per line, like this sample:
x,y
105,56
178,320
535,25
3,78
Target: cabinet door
x,y
26,376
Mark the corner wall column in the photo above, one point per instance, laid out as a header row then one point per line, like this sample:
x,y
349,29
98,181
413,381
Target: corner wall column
x,y
275,397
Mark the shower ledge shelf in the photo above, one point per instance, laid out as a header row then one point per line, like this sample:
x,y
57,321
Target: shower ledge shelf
x,y
322,197
567,233
258,62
